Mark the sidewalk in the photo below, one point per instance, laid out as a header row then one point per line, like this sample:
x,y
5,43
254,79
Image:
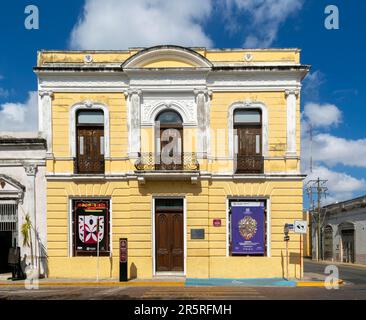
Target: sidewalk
x,y
310,280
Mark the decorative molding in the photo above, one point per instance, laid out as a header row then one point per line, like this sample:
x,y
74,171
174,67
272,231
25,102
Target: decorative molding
x,y
247,104
186,55
30,169
88,104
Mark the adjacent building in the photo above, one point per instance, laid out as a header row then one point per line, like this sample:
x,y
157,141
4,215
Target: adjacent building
x,y
23,193
343,232
192,154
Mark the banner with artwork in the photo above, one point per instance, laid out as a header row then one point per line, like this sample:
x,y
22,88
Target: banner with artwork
x,y
247,228
91,227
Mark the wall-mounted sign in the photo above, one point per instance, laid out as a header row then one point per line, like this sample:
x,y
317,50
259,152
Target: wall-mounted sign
x,y
216,222
197,233
247,228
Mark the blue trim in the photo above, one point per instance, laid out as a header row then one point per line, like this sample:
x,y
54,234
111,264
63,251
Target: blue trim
x,y
259,282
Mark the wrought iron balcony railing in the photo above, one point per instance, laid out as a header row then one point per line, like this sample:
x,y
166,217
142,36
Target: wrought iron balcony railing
x,y
151,161
89,166
249,164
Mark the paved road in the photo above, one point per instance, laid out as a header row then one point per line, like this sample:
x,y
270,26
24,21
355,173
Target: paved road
x,y
355,289
352,274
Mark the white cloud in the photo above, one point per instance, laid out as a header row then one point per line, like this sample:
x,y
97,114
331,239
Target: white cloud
x,y
322,115
266,17
333,150
20,116
341,185
311,86
115,24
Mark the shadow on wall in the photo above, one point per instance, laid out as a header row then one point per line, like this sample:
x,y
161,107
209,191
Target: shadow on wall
x,y
133,271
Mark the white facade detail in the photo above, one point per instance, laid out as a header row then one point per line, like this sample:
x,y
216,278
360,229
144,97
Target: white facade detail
x,y
88,105
203,120
45,117
133,121
291,97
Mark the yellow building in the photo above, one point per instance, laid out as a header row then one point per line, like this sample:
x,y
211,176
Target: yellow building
x,y
192,154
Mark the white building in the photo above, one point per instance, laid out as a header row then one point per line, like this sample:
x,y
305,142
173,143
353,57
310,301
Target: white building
x,y
343,232
22,192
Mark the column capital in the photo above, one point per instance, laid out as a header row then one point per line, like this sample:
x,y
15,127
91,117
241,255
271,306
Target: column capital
x,y
30,169
289,92
205,92
131,92
45,93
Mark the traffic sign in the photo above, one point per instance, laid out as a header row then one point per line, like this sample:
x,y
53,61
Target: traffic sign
x,y
300,226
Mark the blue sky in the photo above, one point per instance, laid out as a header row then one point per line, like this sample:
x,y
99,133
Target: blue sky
x,y
335,86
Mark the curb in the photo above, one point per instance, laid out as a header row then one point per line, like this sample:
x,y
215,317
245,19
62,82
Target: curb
x,y
316,283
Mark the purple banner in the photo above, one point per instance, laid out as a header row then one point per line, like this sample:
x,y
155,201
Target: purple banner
x,y
247,227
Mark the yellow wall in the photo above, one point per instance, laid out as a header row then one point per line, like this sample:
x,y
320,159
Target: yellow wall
x,y
131,218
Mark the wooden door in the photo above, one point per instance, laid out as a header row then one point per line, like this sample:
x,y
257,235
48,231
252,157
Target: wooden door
x,y
175,161
90,150
169,241
249,149
348,245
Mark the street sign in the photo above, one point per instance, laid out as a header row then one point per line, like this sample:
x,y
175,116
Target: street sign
x,y
300,226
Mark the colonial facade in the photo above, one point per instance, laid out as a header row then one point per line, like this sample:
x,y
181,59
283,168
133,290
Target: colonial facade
x,y
343,232
213,205
22,193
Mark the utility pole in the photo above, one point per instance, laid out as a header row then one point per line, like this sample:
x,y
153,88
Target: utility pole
x,y
318,187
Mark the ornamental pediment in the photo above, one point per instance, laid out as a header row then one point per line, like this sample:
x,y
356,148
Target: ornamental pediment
x,y
162,57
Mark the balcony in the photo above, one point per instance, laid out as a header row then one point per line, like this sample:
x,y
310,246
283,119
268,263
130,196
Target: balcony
x,y
152,162
249,164
89,166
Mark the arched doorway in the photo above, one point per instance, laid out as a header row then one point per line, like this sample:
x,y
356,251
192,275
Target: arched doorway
x,y
328,243
347,231
169,146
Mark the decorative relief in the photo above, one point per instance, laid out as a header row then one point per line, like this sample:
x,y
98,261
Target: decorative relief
x,y
30,170
185,107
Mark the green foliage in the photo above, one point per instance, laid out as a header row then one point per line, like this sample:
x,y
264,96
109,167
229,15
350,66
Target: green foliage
x,y
26,228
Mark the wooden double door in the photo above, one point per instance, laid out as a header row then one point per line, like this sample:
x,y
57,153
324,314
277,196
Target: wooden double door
x,y
90,147
249,149
169,241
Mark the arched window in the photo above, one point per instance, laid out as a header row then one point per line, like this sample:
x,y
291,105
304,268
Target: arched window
x,y
90,142
169,139
248,141
169,117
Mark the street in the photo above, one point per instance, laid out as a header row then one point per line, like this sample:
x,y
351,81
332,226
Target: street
x,y
353,289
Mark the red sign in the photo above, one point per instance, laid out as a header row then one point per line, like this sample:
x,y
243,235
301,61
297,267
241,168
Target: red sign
x,y
217,222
